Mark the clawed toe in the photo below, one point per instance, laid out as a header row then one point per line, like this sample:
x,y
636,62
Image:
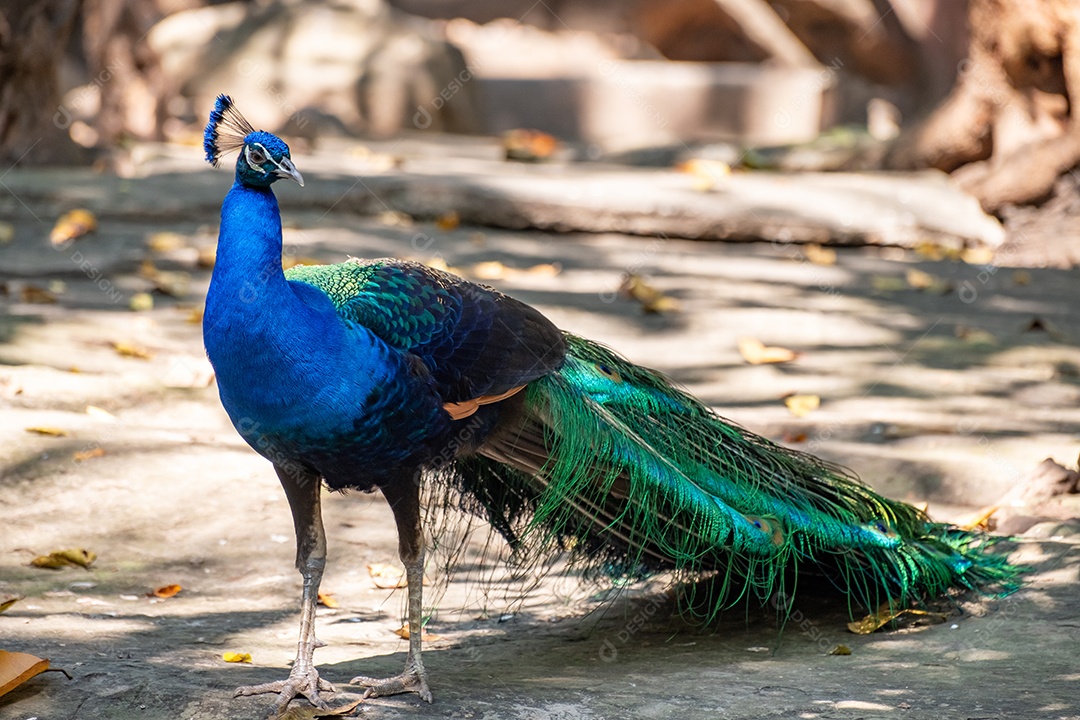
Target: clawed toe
x,y
306,684
409,681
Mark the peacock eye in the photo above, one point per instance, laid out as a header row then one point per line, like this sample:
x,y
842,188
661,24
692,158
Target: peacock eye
x,y
256,157
608,372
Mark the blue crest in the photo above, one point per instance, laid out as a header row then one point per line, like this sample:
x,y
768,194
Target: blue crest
x,y
225,131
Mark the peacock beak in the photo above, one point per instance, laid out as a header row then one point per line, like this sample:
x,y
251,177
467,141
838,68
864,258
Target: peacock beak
x,y
287,170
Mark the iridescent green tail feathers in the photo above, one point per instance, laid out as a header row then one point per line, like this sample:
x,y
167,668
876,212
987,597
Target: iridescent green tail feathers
x,y
613,461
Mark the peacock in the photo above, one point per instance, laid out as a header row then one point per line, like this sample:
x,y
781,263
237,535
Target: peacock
x,y
390,375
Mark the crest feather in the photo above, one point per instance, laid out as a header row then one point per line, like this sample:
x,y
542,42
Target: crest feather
x,y
225,131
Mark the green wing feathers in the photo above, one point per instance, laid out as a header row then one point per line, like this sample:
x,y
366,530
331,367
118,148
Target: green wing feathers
x,y
613,460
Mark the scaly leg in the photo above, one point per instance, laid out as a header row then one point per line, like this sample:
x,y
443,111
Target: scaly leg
x,y
404,499
302,488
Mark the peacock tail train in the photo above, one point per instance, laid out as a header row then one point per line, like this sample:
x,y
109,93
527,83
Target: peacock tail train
x,y
613,462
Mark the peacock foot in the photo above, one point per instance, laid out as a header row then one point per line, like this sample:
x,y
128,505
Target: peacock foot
x,y
412,680
300,682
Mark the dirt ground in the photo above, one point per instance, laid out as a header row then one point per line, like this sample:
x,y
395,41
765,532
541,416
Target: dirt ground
x,y
949,395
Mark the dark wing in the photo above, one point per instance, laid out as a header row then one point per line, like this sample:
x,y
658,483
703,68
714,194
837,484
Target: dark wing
x,y
474,340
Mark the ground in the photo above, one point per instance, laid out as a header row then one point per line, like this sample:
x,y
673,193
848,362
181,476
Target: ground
x,y
949,395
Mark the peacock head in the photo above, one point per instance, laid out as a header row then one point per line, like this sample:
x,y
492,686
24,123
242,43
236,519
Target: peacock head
x,y
264,158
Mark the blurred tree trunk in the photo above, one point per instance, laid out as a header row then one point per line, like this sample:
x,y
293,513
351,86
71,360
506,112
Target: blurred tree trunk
x,y
33,123
122,94
1009,128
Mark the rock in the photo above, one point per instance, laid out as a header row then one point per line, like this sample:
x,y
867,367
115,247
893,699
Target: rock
x,y
366,67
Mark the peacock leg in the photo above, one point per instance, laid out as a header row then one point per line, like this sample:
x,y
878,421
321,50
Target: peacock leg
x,y
302,488
404,499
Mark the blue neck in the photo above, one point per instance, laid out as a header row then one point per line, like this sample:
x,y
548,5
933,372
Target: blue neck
x,y
248,265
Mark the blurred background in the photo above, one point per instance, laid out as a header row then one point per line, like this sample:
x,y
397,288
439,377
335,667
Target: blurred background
x,y
82,80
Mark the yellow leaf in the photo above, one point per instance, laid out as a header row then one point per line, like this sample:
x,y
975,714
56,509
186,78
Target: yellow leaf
x,y
820,255
544,270
885,615
166,591
925,281
50,431
403,633
72,225
651,299
8,601
166,241
977,256
802,405
326,599
448,221
141,302
65,558
235,657
707,174
84,455
840,650
387,576
757,353
16,668
491,270
131,350
981,520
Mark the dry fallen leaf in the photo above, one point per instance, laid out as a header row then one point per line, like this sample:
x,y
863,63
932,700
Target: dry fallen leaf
x,y
299,712
174,284
756,352
1051,330
977,255
16,668
50,431
448,221
326,599
974,335
1021,277
525,145
72,557
235,657
840,650
6,601
792,438
100,413
490,270
395,218
982,520
707,174
7,233
885,615
820,255
72,225
403,633
131,350
84,455
166,591
651,299
207,257
925,281
802,405
166,241
141,302
37,295
887,283
387,576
